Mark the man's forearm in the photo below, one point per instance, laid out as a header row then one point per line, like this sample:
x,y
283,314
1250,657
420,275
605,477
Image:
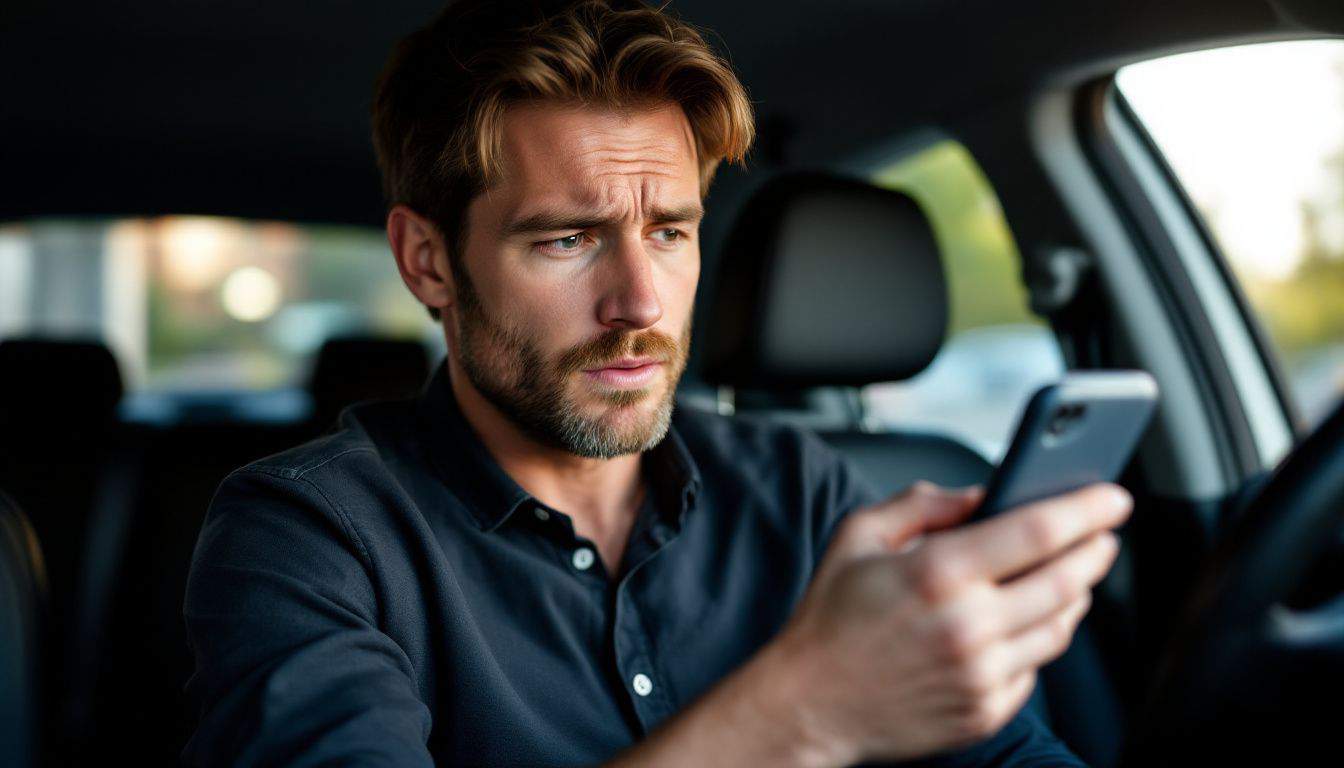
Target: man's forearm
x,y
751,717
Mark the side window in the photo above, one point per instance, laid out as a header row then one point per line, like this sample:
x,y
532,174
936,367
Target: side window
x,y
997,352
1255,134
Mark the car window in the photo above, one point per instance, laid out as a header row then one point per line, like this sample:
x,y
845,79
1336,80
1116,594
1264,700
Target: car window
x,y
203,303
1255,134
997,352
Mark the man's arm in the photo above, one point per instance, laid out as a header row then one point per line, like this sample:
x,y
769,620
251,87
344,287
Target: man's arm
x,y
290,665
754,717
917,640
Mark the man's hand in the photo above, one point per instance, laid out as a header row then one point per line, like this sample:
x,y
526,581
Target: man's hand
x,y
915,637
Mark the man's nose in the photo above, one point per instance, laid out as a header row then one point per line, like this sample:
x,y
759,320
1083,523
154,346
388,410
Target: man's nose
x,y
630,298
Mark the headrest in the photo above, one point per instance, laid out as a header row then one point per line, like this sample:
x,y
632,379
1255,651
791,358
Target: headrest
x,y
57,383
353,368
826,281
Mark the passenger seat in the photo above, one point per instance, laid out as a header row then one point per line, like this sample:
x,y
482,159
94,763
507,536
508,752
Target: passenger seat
x,y
829,283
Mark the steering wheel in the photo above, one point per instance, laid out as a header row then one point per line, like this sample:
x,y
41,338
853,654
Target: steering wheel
x,y
1253,674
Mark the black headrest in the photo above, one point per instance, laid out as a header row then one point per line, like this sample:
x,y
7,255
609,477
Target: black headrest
x,y
57,382
826,281
353,368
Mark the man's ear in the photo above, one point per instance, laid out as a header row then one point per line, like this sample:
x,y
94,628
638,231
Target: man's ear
x,y
422,257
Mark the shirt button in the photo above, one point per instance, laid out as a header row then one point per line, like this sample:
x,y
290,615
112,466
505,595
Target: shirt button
x,y
642,684
541,514
583,558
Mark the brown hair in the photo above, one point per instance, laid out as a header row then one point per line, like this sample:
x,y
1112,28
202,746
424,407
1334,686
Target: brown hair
x,y
440,99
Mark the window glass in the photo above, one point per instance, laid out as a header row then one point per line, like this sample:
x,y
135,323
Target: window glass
x,y
997,352
203,303
1255,134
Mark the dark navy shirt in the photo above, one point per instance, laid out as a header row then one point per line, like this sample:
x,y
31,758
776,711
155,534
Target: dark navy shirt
x,y
387,595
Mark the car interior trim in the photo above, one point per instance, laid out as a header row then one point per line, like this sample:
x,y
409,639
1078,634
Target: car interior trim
x,y
1258,406
1179,455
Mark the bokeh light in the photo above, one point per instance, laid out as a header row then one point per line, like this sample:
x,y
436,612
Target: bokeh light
x,y
250,294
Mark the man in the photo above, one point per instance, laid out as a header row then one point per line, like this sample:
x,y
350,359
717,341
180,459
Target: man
x,y
539,561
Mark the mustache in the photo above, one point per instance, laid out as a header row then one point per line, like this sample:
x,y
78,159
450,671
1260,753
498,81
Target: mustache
x,y
615,344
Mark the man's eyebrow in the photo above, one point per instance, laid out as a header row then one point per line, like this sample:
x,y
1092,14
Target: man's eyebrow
x,y
553,221
688,212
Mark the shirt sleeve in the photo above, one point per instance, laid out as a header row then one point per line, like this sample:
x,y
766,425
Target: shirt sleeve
x,y
281,616
1026,740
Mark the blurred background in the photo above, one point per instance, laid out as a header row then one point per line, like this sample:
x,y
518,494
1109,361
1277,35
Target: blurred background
x,y
198,303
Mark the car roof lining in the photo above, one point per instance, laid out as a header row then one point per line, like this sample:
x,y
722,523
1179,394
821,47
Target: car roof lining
x,y
261,109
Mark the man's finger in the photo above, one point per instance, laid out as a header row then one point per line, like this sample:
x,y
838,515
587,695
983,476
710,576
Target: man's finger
x,y
997,612
922,508
1040,593
1010,543
1044,642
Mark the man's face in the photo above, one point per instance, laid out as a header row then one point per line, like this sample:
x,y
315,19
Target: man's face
x,y
577,281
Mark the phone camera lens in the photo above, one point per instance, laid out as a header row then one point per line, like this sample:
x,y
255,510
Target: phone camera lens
x,y
1059,423
1064,418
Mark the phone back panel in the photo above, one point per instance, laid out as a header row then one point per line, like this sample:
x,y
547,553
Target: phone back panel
x,y
1074,433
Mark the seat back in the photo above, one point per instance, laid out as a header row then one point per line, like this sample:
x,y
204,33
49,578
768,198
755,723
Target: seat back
x,y
353,368
23,637
892,461
58,403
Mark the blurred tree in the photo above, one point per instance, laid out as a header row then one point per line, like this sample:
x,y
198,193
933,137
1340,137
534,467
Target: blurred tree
x,y
979,255
1305,311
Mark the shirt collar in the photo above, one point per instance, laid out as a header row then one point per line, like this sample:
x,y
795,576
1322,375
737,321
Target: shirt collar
x,y
490,494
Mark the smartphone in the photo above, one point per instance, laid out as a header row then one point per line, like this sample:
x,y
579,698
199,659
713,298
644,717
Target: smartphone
x,y
1078,431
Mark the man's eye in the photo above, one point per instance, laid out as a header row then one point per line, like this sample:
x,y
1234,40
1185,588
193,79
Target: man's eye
x,y
569,244
669,235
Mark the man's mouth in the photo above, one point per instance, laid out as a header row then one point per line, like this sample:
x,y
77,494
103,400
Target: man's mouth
x,y
629,372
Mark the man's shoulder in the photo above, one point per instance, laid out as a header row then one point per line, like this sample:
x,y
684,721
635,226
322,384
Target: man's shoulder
x,y
368,433
326,487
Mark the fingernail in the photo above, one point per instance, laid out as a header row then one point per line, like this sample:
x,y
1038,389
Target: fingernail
x,y
1119,499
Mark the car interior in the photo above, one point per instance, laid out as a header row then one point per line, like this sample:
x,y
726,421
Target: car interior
x,y
1214,637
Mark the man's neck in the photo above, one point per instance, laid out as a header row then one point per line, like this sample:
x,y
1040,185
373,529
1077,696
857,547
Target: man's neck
x,y
601,495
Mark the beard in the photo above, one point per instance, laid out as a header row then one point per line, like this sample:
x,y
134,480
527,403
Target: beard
x,y
512,373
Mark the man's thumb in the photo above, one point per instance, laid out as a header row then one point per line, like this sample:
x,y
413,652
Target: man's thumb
x,y
923,508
